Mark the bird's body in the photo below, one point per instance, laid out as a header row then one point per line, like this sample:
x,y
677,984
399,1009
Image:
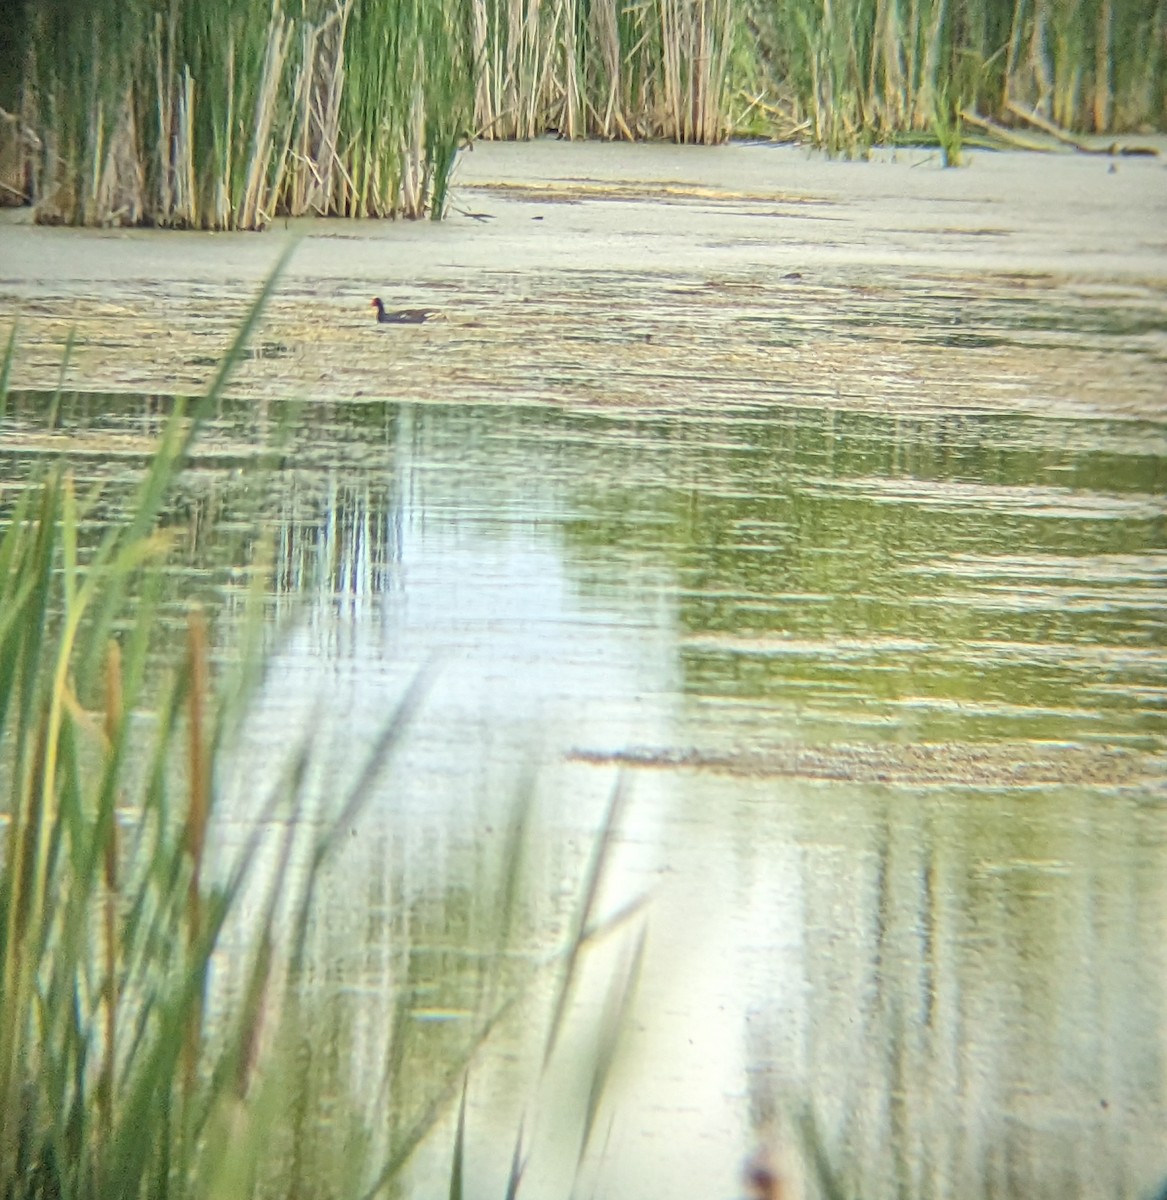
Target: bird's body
x,y
402,316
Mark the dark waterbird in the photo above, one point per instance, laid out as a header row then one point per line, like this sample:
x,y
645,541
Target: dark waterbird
x,y
403,316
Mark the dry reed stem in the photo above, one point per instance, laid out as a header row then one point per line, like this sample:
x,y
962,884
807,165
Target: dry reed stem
x,y
164,99
1103,101
248,215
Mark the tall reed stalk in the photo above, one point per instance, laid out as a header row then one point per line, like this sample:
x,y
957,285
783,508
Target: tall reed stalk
x,y
114,1082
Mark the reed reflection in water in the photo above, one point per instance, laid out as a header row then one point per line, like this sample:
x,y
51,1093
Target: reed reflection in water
x,y
888,695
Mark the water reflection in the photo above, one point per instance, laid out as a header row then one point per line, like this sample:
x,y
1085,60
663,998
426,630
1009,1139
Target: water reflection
x,y
889,692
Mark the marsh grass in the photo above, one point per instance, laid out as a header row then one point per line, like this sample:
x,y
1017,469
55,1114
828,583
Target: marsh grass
x,y
604,68
221,114
225,113
112,1081
843,72
853,71
404,108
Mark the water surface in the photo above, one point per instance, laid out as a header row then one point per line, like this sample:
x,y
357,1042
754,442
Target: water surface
x,y
886,690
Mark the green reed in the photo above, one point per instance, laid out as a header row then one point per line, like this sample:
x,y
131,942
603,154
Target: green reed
x,y
109,1084
221,114
107,926
850,71
113,1079
405,106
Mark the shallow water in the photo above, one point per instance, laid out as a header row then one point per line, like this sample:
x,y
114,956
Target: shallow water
x,y
886,689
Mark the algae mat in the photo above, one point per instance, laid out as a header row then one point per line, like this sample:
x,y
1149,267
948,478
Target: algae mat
x,y
598,275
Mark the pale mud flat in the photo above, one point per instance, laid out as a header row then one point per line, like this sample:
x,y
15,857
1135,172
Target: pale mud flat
x,y
593,274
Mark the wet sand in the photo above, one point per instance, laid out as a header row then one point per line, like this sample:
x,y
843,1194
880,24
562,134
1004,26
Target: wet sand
x,y
581,275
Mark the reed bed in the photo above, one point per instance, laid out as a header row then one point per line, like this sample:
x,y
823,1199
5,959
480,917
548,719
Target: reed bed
x,y
225,113
848,72
221,114
604,68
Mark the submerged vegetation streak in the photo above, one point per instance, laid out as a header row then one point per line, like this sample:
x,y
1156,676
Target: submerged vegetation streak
x,y
223,113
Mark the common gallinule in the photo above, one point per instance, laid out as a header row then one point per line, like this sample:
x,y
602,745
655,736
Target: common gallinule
x,y
403,316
